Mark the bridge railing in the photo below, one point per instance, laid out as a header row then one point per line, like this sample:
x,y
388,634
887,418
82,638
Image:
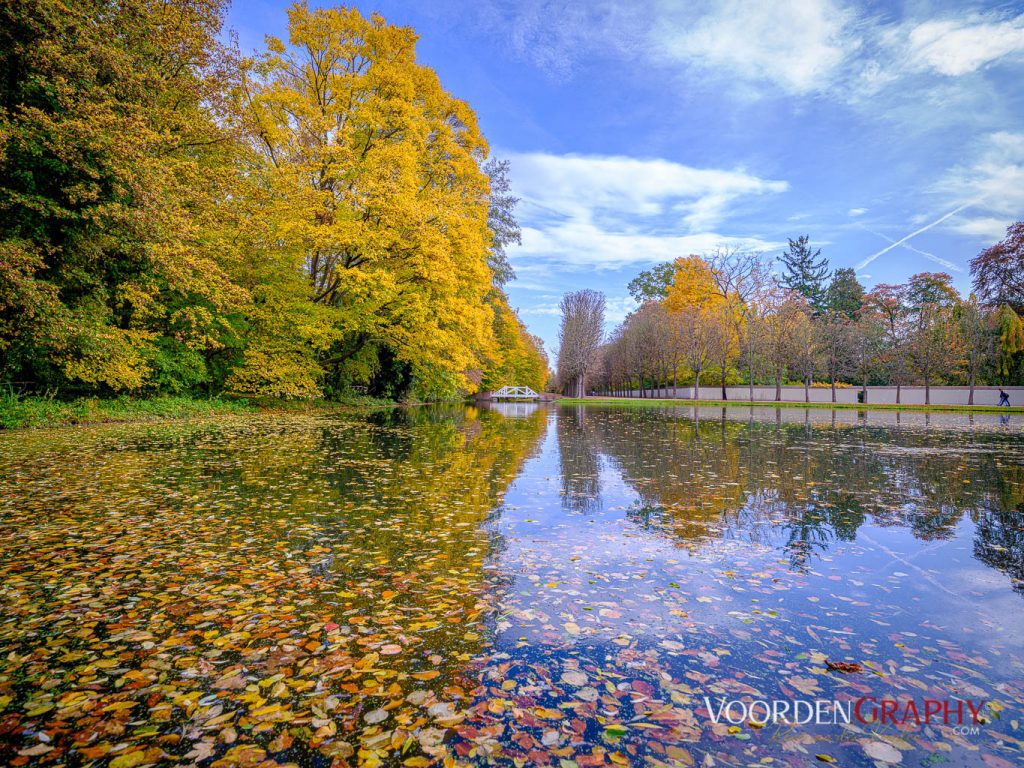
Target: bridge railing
x,y
515,393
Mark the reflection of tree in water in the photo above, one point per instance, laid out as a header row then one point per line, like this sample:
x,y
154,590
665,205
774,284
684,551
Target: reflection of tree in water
x,y
430,514
999,542
801,531
803,487
579,461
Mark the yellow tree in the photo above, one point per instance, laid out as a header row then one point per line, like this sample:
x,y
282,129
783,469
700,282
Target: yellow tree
x,y
709,320
518,358
377,197
693,285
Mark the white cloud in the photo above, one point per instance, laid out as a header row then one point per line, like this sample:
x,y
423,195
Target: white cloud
x,y
583,245
994,181
616,308
959,46
604,212
857,211
983,227
570,185
796,44
837,48
552,310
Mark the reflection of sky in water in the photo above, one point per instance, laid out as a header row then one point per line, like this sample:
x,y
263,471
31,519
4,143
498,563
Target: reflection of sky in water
x,y
588,541
551,585
875,563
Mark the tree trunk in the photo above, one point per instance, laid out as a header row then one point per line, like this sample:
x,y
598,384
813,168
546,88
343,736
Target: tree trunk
x,y
778,387
833,387
927,391
898,386
750,368
696,385
970,397
807,389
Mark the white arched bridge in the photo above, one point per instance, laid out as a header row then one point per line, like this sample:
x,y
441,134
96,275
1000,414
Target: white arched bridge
x,y
515,393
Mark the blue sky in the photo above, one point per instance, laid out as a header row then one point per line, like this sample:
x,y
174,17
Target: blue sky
x,y
640,131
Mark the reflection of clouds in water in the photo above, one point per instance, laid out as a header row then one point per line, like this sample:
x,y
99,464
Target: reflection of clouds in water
x,y
735,553
618,483
736,558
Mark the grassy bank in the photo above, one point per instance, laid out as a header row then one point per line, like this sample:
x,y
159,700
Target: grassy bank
x,y
651,402
27,411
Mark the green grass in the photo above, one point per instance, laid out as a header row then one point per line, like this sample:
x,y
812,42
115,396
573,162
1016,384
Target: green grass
x,y
28,411
21,411
647,402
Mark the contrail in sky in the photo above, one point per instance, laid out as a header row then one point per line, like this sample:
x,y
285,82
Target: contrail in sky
x,y
937,259
914,234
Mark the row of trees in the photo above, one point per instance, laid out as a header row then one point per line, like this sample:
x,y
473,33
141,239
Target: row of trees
x,y
728,317
176,216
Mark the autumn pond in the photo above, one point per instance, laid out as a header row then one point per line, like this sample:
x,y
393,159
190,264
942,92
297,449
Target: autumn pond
x,y
522,585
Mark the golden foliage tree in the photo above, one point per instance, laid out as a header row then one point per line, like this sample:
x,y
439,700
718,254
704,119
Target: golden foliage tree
x,y
519,357
377,199
713,319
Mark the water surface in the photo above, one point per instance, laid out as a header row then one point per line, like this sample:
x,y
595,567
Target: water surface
x,y
522,585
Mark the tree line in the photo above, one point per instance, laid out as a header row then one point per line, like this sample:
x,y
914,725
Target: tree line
x,y
729,318
319,217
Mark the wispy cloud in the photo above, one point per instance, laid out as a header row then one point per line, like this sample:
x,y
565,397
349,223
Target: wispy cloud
x,y
602,212
914,249
550,309
745,38
915,233
840,49
958,46
616,308
995,178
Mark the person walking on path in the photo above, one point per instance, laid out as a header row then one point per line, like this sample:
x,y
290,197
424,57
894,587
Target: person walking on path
x,y
1004,399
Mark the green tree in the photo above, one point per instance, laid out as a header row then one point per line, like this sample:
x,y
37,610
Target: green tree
x,y
1011,344
976,327
652,284
934,344
113,171
886,310
845,294
502,221
805,271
